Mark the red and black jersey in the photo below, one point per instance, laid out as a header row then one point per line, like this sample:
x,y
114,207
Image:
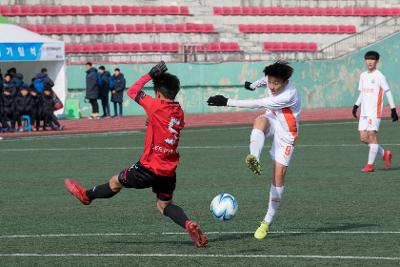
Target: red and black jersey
x,y
165,121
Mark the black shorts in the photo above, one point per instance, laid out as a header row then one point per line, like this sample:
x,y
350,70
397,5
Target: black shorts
x,y
139,177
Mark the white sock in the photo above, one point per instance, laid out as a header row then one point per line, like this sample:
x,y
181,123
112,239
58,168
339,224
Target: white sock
x,y
373,150
275,196
381,151
257,139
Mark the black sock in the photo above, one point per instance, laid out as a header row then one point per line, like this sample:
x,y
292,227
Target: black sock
x,y
100,191
176,214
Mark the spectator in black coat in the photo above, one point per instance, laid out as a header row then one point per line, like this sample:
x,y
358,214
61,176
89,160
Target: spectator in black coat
x,y
36,108
92,90
9,112
103,81
117,92
9,84
48,102
16,78
23,104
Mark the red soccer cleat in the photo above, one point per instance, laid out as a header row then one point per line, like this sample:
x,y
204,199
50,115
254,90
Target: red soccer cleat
x,y
387,157
368,168
77,191
198,237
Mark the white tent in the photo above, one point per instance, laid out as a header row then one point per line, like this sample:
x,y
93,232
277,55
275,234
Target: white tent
x,y
29,52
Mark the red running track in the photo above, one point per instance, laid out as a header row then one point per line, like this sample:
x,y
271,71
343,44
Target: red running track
x,y
130,123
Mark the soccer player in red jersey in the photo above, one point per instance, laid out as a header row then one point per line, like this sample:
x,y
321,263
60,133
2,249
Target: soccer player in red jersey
x,y
156,167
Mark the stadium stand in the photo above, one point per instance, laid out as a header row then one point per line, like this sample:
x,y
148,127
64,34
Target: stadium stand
x,y
101,28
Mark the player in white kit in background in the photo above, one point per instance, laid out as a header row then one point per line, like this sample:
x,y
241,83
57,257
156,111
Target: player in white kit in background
x,y
280,124
372,86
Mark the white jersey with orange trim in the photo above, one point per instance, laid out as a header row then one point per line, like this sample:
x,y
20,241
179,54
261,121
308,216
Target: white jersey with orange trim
x,y
372,86
285,107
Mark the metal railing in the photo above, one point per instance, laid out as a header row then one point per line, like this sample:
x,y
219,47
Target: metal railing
x,y
360,40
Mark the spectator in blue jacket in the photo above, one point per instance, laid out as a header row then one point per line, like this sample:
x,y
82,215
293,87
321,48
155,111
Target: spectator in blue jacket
x,y
117,92
103,82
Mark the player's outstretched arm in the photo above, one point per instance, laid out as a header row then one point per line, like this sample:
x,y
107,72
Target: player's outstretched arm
x,y
136,88
267,102
254,85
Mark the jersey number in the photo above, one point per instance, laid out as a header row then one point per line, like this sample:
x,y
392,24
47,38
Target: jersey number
x,y
172,122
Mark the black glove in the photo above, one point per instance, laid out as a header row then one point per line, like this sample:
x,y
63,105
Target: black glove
x,y
158,69
393,114
218,100
355,107
247,86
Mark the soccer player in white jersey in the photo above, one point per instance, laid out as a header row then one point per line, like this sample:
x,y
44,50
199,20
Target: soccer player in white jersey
x,y
280,124
372,86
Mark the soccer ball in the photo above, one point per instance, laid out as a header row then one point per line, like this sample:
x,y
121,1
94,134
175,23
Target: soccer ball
x,y
224,207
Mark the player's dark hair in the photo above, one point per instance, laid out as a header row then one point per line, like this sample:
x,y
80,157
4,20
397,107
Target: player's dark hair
x,y
167,84
117,69
280,69
102,68
12,70
89,63
43,70
371,55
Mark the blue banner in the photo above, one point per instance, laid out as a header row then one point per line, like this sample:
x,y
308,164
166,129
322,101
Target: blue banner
x,y
20,51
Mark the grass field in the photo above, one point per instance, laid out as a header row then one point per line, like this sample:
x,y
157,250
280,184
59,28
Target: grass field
x,y
331,214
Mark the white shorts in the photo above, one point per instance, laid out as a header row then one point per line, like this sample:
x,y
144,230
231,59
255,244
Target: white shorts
x,y
369,124
281,151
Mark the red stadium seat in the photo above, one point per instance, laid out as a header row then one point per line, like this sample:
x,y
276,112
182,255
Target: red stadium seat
x,y
218,10
147,47
180,27
170,28
236,10
100,28
91,29
213,47
146,10
149,27
116,10
101,10
67,10
172,10
120,28
159,28
80,28
134,28
110,28
137,28
25,10
226,11
184,10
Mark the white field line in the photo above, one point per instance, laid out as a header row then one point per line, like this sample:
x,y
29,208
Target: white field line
x,y
120,133
181,147
323,257
60,235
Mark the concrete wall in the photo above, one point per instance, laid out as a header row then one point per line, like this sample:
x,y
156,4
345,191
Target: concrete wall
x,y
320,83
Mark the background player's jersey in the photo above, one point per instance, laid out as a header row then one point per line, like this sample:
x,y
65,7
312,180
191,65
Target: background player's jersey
x,y
372,86
286,107
165,121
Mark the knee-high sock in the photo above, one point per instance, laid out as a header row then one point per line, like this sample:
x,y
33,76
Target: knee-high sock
x,y
373,150
257,139
177,214
275,196
381,151
100,191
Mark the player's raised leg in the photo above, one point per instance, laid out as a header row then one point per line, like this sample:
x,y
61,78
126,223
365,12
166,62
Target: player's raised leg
x,y
85,196
275,196
176,213
257,139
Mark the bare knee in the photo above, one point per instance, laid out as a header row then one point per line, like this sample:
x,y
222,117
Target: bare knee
x,y
261,123
115,185
364,138
161,205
